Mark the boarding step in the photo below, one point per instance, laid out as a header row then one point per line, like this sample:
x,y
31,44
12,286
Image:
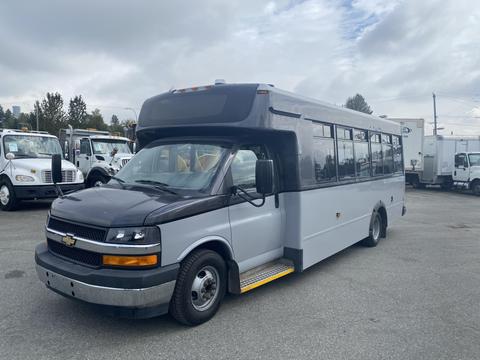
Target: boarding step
x,y
265,273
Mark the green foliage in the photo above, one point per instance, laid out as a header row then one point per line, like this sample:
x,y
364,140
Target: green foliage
x,y
52,115
77,112
95,121
358,103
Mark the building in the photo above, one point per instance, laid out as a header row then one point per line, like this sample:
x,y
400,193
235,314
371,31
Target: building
x,y
16,111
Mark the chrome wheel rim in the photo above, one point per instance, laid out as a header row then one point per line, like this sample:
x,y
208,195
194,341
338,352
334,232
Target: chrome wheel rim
x,y
98,183
204,290
376,228
4,195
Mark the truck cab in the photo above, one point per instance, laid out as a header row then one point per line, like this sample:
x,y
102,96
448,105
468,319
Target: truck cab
x,y
25,167
97,154
467,171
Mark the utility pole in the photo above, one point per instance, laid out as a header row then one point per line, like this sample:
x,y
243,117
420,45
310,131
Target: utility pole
x,y
434,114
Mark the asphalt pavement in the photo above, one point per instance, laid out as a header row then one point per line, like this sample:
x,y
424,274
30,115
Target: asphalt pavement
x,y
415,296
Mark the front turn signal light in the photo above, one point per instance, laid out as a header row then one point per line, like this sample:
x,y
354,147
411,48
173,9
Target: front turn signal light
x,y
114,260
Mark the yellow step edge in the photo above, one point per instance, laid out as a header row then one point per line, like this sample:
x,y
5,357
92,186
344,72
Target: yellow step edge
x,y
266,280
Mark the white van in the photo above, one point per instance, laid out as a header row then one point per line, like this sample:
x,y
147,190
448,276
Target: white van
x,y
25,168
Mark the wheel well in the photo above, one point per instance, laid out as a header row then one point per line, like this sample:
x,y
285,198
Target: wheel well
x,y
218,247
383,213
474,181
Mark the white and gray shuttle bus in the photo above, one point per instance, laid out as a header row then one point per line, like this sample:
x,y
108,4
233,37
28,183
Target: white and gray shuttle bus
x,y
235,185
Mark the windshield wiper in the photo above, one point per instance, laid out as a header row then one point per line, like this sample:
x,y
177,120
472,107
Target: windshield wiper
x,y
120,181
157,185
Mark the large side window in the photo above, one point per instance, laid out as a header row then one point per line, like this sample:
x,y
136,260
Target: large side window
x,y
397,154
346,163
387,154
243,166
377,158
362,155
85,147
324,153
461,160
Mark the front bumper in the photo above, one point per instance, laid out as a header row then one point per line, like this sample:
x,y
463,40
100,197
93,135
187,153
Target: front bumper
x,y
131,293
26,192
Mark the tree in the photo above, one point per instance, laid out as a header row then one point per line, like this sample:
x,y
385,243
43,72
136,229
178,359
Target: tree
x,y
77,112
115,126
95,120
9,121
2,116
358,103
52,113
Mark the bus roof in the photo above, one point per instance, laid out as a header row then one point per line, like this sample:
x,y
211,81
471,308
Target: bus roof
x,y
250,106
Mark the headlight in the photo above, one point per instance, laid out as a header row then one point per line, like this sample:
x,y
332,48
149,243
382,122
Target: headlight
x,y
112,171
24,178
134,235
80,175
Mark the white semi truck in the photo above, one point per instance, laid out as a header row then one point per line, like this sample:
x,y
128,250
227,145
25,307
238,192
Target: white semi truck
x,y
98,154
25,168
449,161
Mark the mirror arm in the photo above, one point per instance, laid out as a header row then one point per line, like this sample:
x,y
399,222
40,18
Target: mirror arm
x,y
248,198
59,191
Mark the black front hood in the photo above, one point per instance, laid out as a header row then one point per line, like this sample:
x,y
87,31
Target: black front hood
x,y
110,206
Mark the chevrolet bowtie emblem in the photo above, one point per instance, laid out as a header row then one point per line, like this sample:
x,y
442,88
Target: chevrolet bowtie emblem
x,y
68,240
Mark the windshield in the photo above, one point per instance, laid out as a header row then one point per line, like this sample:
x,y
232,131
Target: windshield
x,y
105,146
474,159
29,146
186,166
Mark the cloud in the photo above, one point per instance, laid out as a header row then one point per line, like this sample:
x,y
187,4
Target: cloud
x,y
116,53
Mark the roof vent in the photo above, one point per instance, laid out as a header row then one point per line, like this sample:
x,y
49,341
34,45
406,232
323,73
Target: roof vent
x,y
220,81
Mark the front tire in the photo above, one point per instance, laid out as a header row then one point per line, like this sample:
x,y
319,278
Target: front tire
x,y
97,180
8,199
200,287
375,230
476,187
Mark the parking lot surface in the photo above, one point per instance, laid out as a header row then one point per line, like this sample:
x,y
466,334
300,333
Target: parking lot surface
x,y
415,296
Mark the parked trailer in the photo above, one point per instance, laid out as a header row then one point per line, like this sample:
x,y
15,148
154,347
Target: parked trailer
x,y
413,134
234,186
439,160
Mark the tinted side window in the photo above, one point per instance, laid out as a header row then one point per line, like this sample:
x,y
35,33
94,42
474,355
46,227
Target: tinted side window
x,y
362,154
377,157
243,167
459,160
324,153
387,154
397,154
346,163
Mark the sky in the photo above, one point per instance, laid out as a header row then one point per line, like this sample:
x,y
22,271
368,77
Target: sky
x,y
116,53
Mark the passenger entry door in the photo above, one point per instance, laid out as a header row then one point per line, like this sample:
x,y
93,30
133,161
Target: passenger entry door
x,y
257,234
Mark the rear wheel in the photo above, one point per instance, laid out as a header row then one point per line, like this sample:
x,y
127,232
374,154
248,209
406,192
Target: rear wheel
x,y
417,184
200,287
8,200
375,231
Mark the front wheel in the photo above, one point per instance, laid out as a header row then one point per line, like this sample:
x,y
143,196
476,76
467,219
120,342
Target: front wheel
x,y
200,287
476,187
8,199
97,180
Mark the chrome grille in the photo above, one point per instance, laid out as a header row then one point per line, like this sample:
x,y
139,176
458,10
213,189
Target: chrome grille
x,y
67,176
125,161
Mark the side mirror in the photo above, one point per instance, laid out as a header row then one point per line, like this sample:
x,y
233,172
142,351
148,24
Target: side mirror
x,y
56,168
10,156
264,176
